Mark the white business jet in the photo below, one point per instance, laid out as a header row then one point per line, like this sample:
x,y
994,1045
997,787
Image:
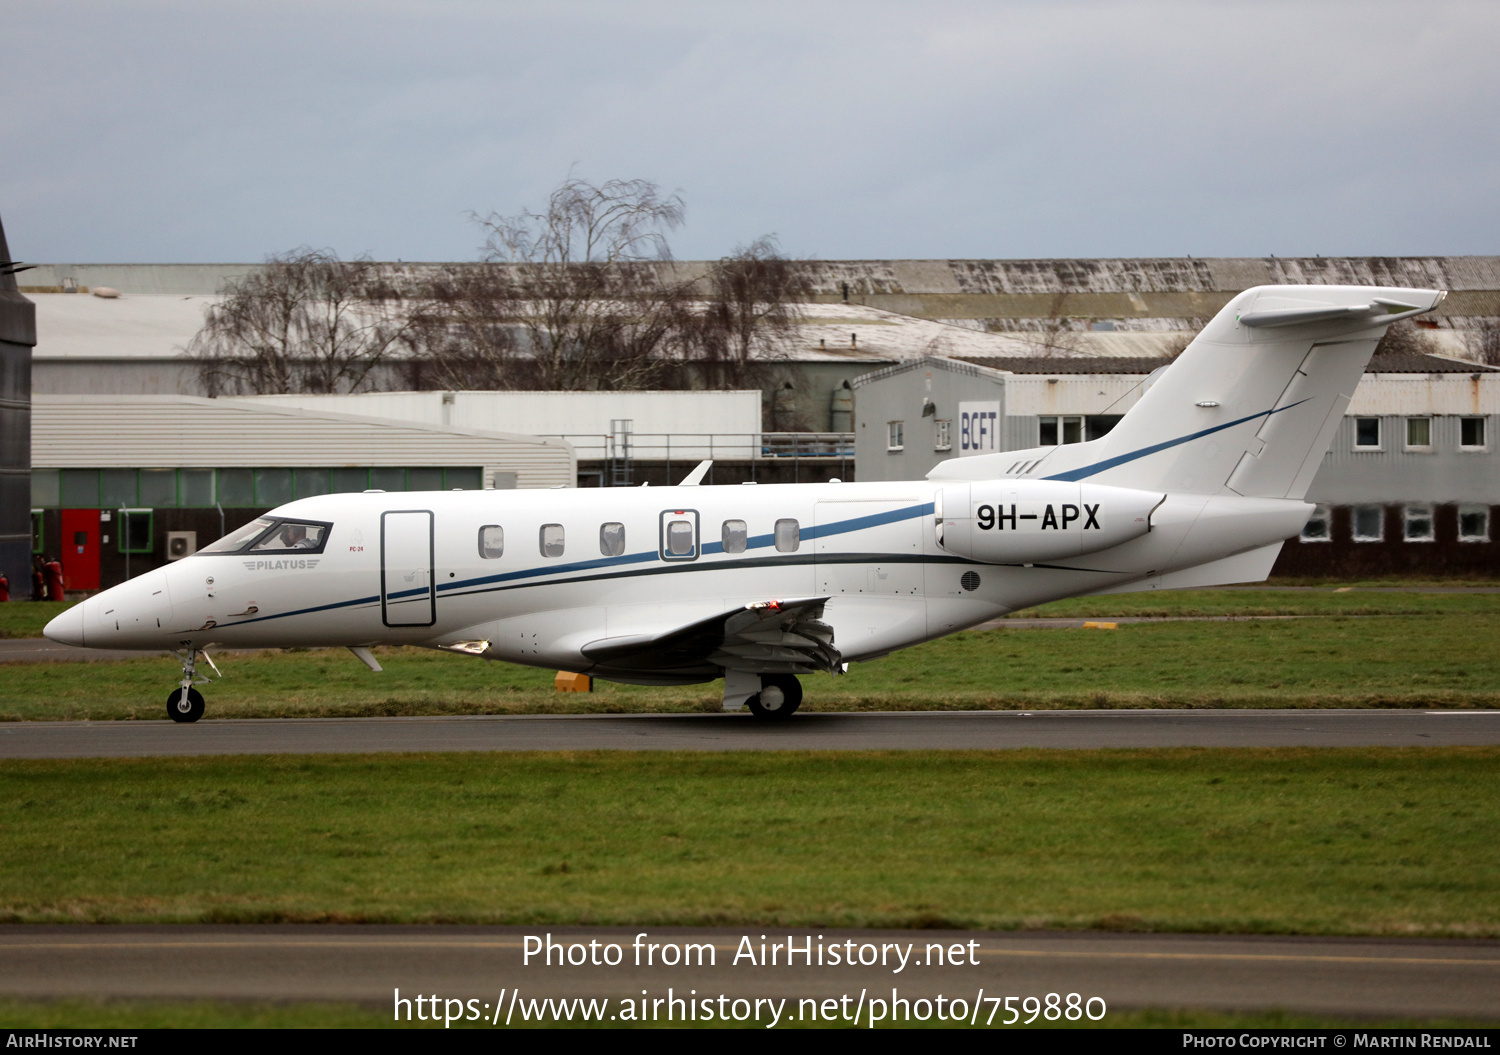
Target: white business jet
x,y
1198,485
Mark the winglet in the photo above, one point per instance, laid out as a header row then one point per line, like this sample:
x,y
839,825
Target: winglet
x,y
694,478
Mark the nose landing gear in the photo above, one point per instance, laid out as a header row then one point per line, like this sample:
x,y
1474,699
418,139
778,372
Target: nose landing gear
x,y
185,703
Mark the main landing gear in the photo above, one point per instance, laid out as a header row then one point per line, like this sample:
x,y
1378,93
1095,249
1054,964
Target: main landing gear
x,y
185,703
780,695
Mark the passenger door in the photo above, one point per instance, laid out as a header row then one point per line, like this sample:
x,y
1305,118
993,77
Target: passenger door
x,y
407,591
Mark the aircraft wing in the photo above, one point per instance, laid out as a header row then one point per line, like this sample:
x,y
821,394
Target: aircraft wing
x,y
782,637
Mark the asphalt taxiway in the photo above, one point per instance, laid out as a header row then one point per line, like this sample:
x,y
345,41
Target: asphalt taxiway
x,y
886,731
1360,977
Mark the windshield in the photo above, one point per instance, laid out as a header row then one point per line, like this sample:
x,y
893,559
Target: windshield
x,y
236,540
273,535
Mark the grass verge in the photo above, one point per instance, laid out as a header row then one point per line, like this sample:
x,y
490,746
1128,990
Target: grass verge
x,y
1329,841
1401,661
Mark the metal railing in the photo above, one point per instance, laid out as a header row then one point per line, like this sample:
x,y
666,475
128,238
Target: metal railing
x,y
619,450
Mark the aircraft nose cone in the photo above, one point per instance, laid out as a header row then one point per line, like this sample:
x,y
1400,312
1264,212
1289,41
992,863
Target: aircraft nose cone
x,y
67,629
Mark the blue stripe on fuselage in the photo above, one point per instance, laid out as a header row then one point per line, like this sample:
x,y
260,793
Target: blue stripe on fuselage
x,y
1109,463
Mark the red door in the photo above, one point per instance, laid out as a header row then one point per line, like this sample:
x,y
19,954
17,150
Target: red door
x,y
79,549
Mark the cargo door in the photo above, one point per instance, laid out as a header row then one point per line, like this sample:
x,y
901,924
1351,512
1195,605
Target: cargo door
x,y
407,594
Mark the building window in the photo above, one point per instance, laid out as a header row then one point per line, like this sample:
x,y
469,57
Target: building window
x,y
1418,433
894,436
942,435
1317,527
1367,433
788,536
1055,430
1417,523
551,540
38,536
1369,523
735,536
1473,523
1471,432
612,539
135,531
491,541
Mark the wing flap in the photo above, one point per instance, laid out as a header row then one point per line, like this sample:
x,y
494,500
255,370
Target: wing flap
x,y
766,637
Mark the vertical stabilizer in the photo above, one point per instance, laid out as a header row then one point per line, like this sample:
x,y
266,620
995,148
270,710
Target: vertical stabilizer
x,y
1251,406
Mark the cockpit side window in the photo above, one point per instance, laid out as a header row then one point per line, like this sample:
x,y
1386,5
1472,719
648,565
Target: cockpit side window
x,y
292,536
274,535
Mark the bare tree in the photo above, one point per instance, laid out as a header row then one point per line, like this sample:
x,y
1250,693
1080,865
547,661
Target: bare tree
x,y
586,291
465,331
306,322
1403,338
1483,342
744,331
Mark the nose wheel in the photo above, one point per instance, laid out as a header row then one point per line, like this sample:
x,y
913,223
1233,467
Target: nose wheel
x,y
779,696
185,705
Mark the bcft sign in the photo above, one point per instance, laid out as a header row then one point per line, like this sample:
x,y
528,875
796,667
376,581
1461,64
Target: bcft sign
x,y
978,428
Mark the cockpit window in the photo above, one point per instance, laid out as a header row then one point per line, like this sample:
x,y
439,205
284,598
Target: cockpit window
x,y
291,536
273,535
237,540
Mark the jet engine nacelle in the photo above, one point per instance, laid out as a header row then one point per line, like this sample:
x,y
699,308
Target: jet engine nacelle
x,y
1030,521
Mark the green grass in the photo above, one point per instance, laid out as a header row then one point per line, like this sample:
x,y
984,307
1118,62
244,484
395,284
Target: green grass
x,y
26,619
1396,661
1330,841
163,1014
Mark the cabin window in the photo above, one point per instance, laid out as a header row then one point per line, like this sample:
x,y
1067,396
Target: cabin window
x,y
788,536
1473,523
736,536
1317,529
680,538
1367,433
1471,432
1369,523
612,539
491,541
1418,433
1417,524
551,540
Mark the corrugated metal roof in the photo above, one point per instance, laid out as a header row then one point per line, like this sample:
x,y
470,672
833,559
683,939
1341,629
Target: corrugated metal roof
x,y
186,431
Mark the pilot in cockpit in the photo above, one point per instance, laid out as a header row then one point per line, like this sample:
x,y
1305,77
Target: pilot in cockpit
x,y
294,536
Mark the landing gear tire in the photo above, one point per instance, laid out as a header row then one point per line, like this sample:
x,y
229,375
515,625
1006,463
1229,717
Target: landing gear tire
x,y
779,697
189,710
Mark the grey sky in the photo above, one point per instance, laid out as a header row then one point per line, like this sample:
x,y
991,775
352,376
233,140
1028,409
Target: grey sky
x,y
205,132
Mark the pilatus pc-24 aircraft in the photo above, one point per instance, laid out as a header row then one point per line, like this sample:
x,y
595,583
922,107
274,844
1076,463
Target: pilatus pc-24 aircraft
x,y
1197,485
